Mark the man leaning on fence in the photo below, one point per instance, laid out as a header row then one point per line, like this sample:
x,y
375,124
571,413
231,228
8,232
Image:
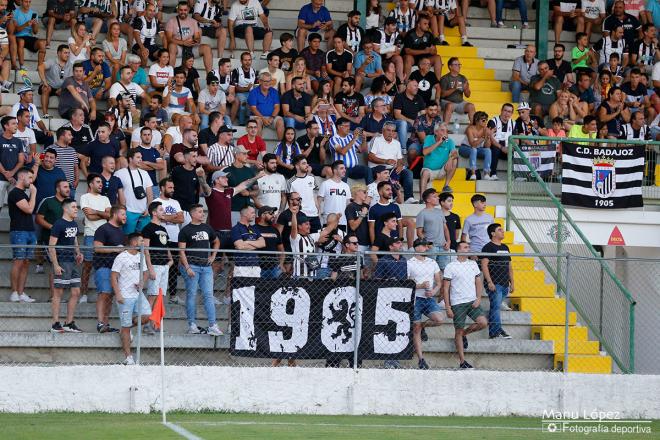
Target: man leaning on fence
x,y
498,275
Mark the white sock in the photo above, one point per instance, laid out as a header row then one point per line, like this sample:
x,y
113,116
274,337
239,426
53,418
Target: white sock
x,y
442,37
464,38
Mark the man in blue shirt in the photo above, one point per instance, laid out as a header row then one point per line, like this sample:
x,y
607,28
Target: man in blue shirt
x,y
392,265
314,17
46,175
25,28
264,102
367,65
97,74
246,237
92,154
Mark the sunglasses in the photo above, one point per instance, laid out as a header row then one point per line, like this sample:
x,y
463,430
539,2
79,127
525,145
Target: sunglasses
x,y
353,242
214,83
299,199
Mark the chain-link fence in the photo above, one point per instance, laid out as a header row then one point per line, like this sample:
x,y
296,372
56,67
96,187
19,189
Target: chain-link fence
x,y
359,310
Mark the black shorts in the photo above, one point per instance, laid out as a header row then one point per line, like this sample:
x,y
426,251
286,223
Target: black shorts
x,y
209,31
30,43
448,22
53,90
258,32
152,51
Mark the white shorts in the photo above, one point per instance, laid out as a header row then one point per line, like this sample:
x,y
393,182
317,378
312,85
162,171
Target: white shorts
x,y
162,273
459,107
247,271
436,174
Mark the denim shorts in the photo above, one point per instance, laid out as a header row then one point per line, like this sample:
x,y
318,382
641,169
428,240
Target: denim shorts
x,y
22,238
88,248
425,306
137,306
102,280
135,222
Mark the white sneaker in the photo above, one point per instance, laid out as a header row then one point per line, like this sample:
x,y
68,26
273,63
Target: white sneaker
x,y
14,297
494,177
39,268
264,56
83,299
411,200
505,307
473,176
129,361
216,301
226,300
193,329
215,331
486,177
25,298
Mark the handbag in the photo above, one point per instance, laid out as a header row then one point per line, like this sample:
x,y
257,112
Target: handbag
x,y
138,191
186,51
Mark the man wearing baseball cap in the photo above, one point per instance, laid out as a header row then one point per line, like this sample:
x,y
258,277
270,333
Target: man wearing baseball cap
x,y
428,287
221,153
26,98
240,172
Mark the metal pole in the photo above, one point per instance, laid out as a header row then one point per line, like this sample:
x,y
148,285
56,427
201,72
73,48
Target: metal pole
x,y
631,341
560,232
358,310
162,370
567,314
139,313
600,315
542,12
509,180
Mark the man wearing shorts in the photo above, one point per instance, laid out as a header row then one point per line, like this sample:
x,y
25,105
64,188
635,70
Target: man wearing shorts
x,y
65,266
426,274
314,18
24,28
462,289
455,88
108,242
184,36
21,232
52,74
96,208
127,278
156,254
242,23
138,192
440,158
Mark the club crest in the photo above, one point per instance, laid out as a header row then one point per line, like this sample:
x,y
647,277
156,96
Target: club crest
x,y
603,177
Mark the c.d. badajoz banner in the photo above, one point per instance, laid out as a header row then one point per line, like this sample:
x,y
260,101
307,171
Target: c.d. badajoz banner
x,y
303,319
602,177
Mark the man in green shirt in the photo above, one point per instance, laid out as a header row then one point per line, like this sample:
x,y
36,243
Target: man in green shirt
x,y
587,130
48,212
239,172
440,158
543,90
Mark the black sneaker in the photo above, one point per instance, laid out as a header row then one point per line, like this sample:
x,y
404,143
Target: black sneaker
x,y
465,343
467,44
101,328
437,40
425,337
465,365
109,329
444,43
504,335
71,327
422,364
56,328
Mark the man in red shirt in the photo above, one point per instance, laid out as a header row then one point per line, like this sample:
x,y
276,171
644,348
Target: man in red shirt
x,y
254,144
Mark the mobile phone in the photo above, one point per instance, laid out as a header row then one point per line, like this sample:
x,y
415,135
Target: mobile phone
x,y
324,106
34,16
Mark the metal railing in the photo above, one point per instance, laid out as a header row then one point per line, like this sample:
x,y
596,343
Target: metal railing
x,y
533,209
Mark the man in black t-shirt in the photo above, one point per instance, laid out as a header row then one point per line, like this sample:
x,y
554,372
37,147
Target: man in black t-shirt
x,y
284,219
620,17
452,219
349,103
272,266
418,43
637,98
109,241
407,106
296,105
498,276
189,181
427,81
338,62
158,259
314,147
21,232
286,52
198,245
356,214
560,67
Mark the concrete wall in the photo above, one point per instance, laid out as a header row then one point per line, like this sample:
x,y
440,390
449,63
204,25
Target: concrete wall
x,y
325,391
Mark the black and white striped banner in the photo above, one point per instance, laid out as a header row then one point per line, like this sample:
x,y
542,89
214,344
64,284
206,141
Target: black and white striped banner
x,y
607,177
541,157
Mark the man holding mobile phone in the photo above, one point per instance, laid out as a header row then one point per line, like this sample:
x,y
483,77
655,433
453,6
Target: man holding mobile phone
x,y
24,27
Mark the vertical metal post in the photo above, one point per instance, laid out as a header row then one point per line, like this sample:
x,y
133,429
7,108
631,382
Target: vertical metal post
x,y
542,15
567,313
560,233
358,309
509,180
162,370
600,314
139,312
631,361
361,5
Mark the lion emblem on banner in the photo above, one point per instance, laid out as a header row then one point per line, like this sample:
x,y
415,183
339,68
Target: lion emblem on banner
x,y
603,177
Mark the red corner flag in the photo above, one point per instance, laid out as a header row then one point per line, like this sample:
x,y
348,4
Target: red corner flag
x,y
158,312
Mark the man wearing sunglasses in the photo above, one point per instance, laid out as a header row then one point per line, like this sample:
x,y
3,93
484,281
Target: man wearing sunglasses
x,y
52,74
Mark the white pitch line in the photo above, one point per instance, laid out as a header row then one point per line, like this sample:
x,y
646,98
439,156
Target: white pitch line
x,y
365,425
182,432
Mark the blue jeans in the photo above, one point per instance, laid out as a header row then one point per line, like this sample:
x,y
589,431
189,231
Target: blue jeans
x,y
474,153
516,88
202,279
243,109
27,238
522,7
271,274
204,118
402,130
494,319
359,172
406,180
296,125
442,260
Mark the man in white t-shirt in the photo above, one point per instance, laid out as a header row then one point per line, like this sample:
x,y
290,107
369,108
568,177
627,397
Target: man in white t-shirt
x,y
594,14
172,221
462,290
150,121
335,194
424,271
272,186
303,242
127,280
242,23
304,183
278,80
124,86
386,150
96,208
25,134
137,191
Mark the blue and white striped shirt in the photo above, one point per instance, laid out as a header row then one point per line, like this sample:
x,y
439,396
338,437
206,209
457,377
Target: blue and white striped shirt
x,y
351,157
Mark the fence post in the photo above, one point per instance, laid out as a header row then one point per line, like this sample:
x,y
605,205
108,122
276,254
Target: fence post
x,y
139,313
358,310
566,312
509,179
559,235
631,361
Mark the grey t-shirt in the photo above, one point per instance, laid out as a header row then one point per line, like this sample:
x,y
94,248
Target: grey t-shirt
x,y
432,221
475,227
449,81
56,74
527,71
67,101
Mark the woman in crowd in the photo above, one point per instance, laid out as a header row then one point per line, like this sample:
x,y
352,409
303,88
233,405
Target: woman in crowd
x,y
378,89
192,75
80,42
299,69
285,151
568,107
613,112
324,92
115,48
324,116
477,145
602,86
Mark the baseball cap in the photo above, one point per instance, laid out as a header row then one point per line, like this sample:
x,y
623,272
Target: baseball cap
x,y
240,149
217,174
24,89
302,218
422,242
524,106
390,20
225,129
379,169
264,209
389,241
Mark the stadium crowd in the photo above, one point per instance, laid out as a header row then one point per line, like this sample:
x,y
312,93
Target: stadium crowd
x,y
374,107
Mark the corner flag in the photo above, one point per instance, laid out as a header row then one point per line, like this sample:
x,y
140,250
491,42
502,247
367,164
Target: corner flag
x,y
158,312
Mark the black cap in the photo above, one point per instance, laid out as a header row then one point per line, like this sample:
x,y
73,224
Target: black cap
x,y
379,169
225,129
302,218
389,241
390,20
422,242
264,209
